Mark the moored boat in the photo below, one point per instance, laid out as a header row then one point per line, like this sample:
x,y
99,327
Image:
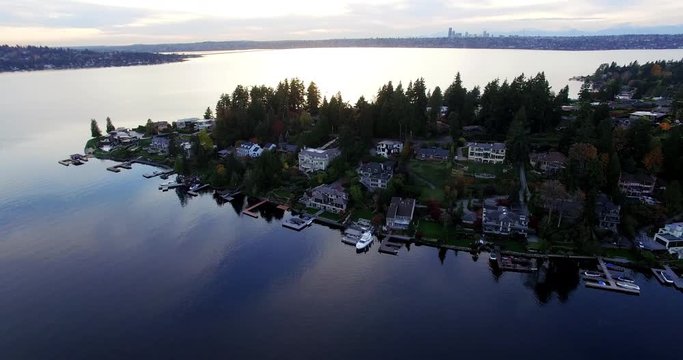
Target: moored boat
x,y
627,285
592,274
364,241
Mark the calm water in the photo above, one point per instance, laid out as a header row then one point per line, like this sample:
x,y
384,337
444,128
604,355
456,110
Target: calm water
x,y
101,265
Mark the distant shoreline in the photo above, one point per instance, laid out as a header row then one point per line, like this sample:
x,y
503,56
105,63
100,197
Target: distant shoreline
x,y
559,43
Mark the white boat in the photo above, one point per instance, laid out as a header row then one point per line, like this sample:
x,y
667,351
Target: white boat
x,y
592,274
364,241
667,279
626,279
627,285
492,256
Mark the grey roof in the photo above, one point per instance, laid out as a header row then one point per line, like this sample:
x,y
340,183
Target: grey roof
x,y
329,153
432,152
487,146
401,207
552,156
604,204
638,178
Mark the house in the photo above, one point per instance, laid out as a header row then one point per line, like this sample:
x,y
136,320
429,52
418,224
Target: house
x,y
330,198
160,143
123,136
400,213
388,148
204,124
316,159
637,186
549,163
671,237
185,123
269,147
248,149
225,153
161,126
287,148
376,175
437,154
490,153
608,213
504,221
647,115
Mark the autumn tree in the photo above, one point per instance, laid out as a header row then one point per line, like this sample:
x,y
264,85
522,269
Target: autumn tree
x,y
653,160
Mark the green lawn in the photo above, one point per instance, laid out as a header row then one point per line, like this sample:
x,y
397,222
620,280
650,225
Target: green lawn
x,y
434,172
450,236
331,216
478,168
362,213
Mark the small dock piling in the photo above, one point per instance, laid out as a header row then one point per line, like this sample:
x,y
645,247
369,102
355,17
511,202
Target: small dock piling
x,y
250,210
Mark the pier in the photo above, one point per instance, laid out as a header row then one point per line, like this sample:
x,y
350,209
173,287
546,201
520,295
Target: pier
x,y
117,168
298,222
389,247
250,211
609,283
677,281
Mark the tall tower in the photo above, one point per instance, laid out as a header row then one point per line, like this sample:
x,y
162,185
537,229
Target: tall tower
x,y
450,32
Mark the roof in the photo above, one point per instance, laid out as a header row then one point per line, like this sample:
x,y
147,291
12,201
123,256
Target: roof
x,y
604,204
637,178
331,189
401,207
503,214
432,152
552,156
390,142
329,153
487,146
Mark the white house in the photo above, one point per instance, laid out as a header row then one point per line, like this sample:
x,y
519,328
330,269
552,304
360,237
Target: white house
x,y
204,124
400,213
316,159
387,148
671,237
248,149
185,123
490,153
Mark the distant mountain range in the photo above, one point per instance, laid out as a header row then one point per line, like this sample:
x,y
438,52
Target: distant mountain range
x,y
572,43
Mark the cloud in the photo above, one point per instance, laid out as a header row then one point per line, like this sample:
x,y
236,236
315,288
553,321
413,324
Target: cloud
x,y
144,21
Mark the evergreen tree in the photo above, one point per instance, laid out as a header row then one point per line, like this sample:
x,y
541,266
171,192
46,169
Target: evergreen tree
x,y
312,98
518,139
95,129
208,114
110,126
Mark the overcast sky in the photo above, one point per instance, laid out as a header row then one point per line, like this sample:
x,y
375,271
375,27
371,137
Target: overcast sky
x,y
108,22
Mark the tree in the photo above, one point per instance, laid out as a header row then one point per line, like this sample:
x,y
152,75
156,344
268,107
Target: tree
x,y
208,114
518,139
149,127
95,129
673,197
356,195
312,98
205,141
110,126
653,160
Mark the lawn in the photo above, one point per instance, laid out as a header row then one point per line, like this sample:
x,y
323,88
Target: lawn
x,y
331,216
450,236
433,172
362,213
481,168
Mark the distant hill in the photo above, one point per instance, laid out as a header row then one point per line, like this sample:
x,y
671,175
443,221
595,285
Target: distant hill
x,y
573,43
30,58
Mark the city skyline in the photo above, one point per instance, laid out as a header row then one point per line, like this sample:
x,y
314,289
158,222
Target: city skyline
x,y
108,22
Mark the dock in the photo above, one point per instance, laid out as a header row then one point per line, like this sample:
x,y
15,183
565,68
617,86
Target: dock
x,y
250,210
389,247
228,195
297,222
158,173
117,168
515,263
65,162
283,207
678,282
609,283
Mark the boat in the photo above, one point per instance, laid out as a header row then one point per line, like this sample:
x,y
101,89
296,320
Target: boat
x,y
493,256
667,279
364,241
627,285
626,279
592,274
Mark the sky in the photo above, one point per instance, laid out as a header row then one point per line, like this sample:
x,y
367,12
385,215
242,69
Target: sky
x,y
122,22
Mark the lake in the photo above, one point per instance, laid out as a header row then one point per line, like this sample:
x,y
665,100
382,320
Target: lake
x,y
101,265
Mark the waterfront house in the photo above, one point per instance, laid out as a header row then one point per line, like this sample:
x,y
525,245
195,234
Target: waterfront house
x,y
436,154
549,163
400,213
332,198
188,123
311,160
490,153
671,237
608,213
248,150
647,115
637,185
388,148
204,124
269,147
504,221
376,175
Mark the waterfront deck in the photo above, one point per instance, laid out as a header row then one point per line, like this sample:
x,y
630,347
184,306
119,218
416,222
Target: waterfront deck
x,y
389,247
250,211
607,282
678,282
297,222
